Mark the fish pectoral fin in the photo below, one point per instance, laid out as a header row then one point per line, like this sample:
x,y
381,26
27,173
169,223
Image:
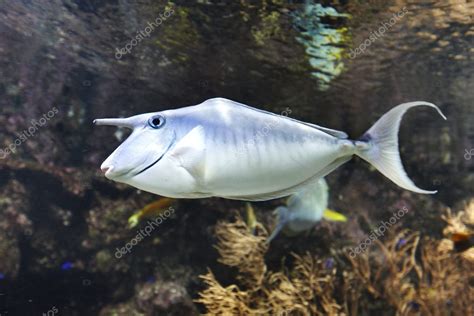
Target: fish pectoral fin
x,y
190,152
275,232
334,216
283,217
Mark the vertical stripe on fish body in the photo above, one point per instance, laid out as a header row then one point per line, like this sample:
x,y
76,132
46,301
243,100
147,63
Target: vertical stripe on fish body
x,y
251,152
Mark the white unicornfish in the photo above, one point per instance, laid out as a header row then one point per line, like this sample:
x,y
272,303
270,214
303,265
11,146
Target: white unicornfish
x,y
221,148
304,209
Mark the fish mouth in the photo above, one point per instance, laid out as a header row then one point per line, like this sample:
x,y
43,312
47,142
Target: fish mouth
x,y
109,173
150,165
129,173
156,161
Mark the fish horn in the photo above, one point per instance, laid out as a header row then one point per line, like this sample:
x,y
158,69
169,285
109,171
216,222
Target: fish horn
x,y
120,122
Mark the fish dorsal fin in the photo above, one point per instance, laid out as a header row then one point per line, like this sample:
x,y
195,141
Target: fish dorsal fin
x,y
190,152
332,132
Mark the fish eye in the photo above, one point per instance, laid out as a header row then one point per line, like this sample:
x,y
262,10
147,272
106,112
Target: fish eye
x,y
156,121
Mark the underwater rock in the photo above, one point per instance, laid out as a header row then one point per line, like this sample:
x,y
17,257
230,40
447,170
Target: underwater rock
x,y
155,298
14,223
10,257
15,209
123,309
107,222
170,297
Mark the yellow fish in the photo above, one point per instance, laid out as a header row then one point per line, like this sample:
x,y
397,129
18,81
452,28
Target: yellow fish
x,y
251,218
150,210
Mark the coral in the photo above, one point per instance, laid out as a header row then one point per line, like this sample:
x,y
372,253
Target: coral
x,y
411,274
460,228
238,248
224,300
415,275
462,222
306,289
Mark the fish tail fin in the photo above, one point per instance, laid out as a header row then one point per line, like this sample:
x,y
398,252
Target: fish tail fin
x,y
283,216
379,146
134,220
333,216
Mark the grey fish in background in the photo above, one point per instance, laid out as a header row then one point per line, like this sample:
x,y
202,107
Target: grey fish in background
x,y
304,210
212,150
